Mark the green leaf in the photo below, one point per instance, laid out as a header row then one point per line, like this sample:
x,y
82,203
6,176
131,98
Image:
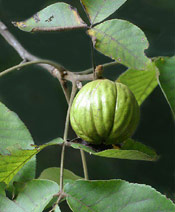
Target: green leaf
x,y
141,83
98,10
167,79
57,209
6,205
131,150
56,17
13,133
115,196
34,197
2,189
11,163
53,174
122,41
37,194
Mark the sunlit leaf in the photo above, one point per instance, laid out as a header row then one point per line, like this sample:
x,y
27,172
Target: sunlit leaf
x,y
131,150
56,17
11,163
141,83
13,133
53,173
37,194
99,10
122,41
167,79
115,196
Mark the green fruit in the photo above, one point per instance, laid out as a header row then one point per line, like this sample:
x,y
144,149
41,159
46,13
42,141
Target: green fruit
x,y
104,112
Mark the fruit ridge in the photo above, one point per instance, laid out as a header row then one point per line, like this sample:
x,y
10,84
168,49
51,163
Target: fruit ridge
x,y
104,112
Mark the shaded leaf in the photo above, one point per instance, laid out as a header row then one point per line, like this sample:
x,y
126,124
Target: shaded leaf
x,y
98,10
115,196
34,197
37,194
82,146
2,189
167,79
53,174
7,205
13,133
141,83
56,17
122,41
18,187
11,163
131,150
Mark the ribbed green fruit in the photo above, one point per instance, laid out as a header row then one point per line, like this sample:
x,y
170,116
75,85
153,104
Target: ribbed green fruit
x,y
104,112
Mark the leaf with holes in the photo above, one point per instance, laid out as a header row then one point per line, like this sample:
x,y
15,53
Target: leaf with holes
x,y
56,17
115,196
141,83
123,42
166,67
98,10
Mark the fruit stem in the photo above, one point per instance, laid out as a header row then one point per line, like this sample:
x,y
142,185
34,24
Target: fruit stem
x,y
93,60
105,66
83,158
74,89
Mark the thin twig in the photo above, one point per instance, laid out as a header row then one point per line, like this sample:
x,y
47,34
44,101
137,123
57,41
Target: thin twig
x,y
60,73
93,59
90,70
26,56
61,192
21,65
60,196
74,89
83,158
23,53
57,71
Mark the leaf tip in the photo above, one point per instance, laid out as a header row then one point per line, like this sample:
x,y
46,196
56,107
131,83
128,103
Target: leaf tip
x,y
21,25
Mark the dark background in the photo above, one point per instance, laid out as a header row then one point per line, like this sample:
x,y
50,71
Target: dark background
x,y
38,99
